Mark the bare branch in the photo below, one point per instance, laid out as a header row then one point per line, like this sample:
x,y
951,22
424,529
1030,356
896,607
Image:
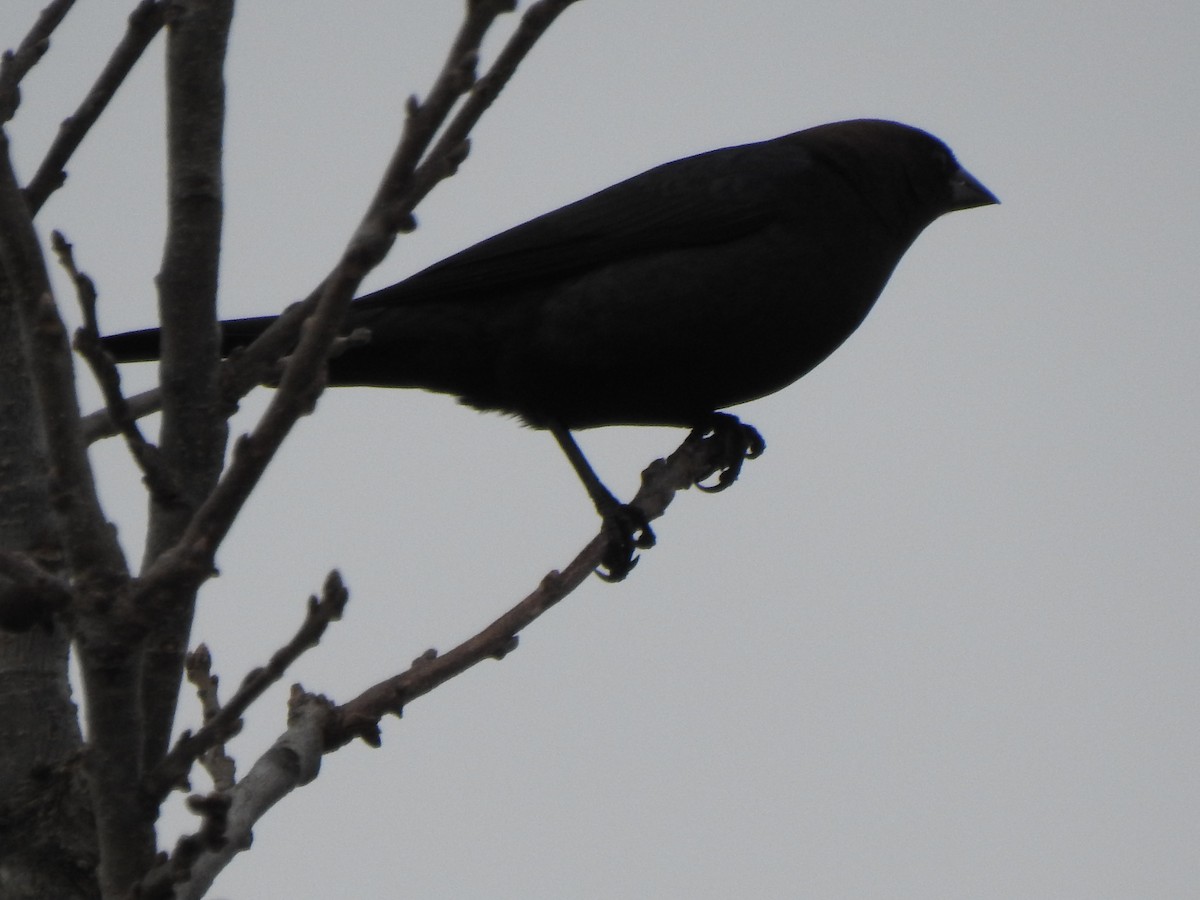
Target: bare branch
x,y
144,23
302,380
100,424
221,767
87,342
15,64
697,458
404,180
379,225
317,727
452,146
124,825
239,374
127,737
227,720
292,761
194,431
54,382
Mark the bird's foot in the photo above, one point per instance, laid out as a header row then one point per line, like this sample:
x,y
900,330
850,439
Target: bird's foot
x,y
735,442
627,530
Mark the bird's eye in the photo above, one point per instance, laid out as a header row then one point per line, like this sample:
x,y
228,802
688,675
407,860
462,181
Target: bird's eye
x,y
945,161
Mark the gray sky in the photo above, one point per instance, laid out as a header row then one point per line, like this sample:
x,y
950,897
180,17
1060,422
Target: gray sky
x,y
940,641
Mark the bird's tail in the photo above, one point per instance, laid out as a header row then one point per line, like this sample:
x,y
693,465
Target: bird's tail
x,y
145,345
443,347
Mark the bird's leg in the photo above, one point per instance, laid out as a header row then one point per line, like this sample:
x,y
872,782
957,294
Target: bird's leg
x,y
626,526
736,442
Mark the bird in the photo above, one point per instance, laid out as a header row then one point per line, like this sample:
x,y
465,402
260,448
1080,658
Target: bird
x,y
697,285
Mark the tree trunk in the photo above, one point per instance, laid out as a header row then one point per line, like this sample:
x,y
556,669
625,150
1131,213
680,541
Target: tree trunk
x,y
47,834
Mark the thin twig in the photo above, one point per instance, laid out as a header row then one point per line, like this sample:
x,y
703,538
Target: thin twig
x,y
100,424
15,64
87,343
225,722
402,181
145,22
452,146
221,767
316,727
302,380
697,459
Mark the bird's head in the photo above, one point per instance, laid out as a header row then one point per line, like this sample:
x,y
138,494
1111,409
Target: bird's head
x,y
882,156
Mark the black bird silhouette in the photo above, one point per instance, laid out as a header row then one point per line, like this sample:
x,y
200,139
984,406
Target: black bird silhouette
x,y
697,285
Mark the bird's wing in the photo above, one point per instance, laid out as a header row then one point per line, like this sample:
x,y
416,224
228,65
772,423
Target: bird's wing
x,y
707,199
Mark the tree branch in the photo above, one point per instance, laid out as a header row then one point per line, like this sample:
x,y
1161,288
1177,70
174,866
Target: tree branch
x,y
302,381
220,766
102,423
15,64
144,23
104,370
89,543
452,146
226,721
193,433
317,727
243,373
292,761
94,559
697,459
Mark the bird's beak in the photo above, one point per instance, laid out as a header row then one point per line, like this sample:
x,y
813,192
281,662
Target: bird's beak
x,y
967,193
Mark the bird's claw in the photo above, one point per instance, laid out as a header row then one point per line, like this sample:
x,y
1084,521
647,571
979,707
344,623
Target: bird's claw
x,y
735,441
627,530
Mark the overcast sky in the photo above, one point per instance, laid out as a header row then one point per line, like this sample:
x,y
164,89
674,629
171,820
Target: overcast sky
x,y
941,640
